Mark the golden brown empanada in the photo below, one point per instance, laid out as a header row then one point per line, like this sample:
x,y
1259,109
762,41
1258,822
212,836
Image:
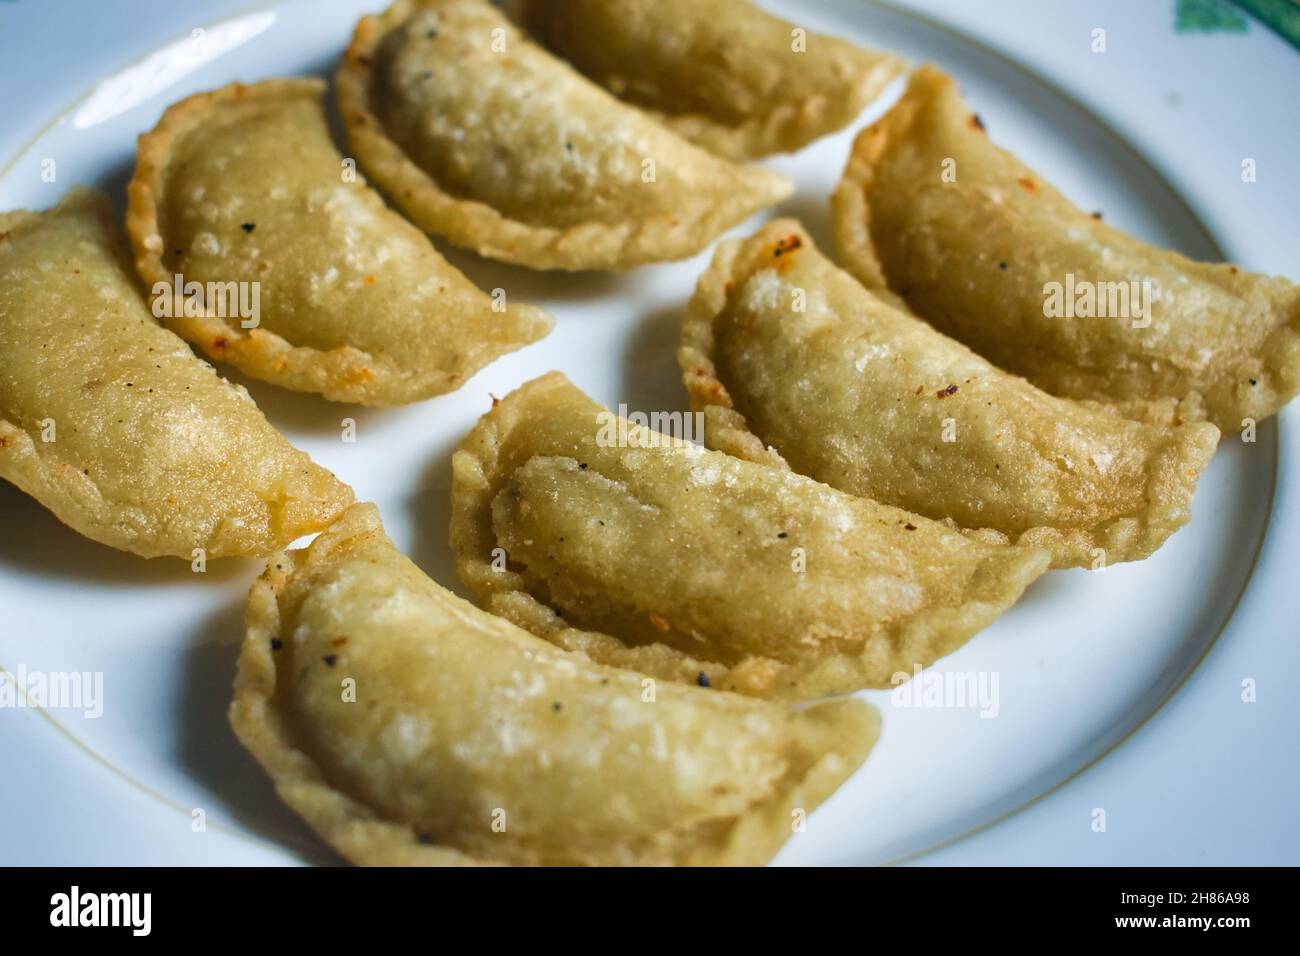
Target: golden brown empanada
x,y
242,190
1000,260
793,362
483,137
409,727
648,552
110,421
725,74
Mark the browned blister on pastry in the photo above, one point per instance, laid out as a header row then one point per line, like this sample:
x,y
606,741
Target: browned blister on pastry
x,y
651,552
111,422
305,278
793,362
984,249
411,728
481,136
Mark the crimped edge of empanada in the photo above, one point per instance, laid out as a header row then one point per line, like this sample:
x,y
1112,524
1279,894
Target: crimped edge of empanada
x,y
1173,468
785,127
348,825
926,636
789,127
361,835
502,592
1273,372
850,213
851,231
480,227
74,499
342,374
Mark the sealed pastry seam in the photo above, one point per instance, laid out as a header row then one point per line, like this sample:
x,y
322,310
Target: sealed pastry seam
x,y
559,533
152,452
1174,457
699,41
347,824
478,225
787,127
450,348
1220,343
530,756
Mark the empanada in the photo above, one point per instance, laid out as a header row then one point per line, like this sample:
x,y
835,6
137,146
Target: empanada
x,y
725,74
793,362
483,137
1000,260
111,422
409,727
242,190
653,553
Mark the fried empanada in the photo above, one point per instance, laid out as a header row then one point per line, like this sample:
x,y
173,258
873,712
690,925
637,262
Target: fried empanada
x,y
483,137
242,190
794,363
110,421
725,74
1003,262
409,727
653,553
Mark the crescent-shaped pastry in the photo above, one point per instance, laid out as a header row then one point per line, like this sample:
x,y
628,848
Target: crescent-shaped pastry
x,y
483,137
408,727
792,362
985,250
110,421
653,553
725,74
241,191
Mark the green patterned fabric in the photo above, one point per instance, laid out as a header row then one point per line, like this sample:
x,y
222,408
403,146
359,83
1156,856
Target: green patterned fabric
x,y
1207,16
1282,15
1221,16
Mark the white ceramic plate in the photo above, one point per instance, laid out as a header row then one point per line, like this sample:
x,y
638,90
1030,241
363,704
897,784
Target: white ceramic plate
x,y
1077,666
